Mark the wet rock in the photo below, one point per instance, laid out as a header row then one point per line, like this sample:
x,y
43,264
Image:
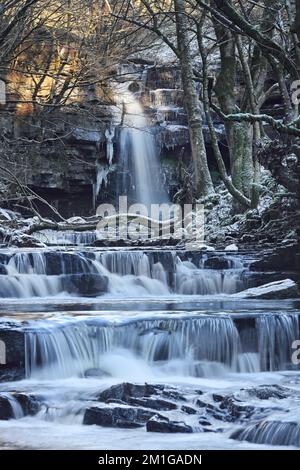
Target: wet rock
x,y
173,395
228,408
165,425
6,411
3,269
166,258
68,263
216,262
118,417
203,421
217,397
201,404
30,404
87,285
154,403
265,392
90,373
125,391
188,410
115,401
236,410
12,364
4,258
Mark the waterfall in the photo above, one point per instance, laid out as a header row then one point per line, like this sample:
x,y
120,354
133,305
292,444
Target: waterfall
x,y
55,238
141,180
275,433
181,345
130,273
276,335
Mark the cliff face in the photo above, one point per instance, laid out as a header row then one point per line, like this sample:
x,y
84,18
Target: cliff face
x,y
70,155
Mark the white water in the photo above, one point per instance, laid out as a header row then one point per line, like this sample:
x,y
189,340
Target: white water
x,y
142,181
43,274
70,359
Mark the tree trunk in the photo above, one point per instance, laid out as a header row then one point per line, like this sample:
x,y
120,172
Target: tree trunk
x,y
239,135
241,146
297,32
203,181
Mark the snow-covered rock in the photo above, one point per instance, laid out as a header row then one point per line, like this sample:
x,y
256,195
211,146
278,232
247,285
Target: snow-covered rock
x,y
26,241
285,289
6,214
76,220
232,247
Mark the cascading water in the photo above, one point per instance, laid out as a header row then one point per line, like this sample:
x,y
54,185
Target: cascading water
x,y
159,321
142,176
184,346
131,273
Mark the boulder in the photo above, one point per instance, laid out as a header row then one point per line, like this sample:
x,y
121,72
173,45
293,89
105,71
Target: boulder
x,y
126,391
6,411
217,262
236,410
30,404
203,421
285,289
3,269
117,417
188,410
265,392
12,364
165,425
228,409
232,247
90,373
87,285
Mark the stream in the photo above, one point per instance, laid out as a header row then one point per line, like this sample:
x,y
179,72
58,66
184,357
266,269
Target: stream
x,y
83,321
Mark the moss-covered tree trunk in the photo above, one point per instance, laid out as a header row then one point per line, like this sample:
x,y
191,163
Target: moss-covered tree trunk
x,y
203,181
239,135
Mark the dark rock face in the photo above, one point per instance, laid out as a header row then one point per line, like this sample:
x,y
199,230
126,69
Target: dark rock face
x,y
165,425
154,403
265,392
125,417
216,262
229,409
126,391
67,263
236,410
285,258
87,285
12,365
4,258
188,410
30,404
203,421
6,411
3,269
